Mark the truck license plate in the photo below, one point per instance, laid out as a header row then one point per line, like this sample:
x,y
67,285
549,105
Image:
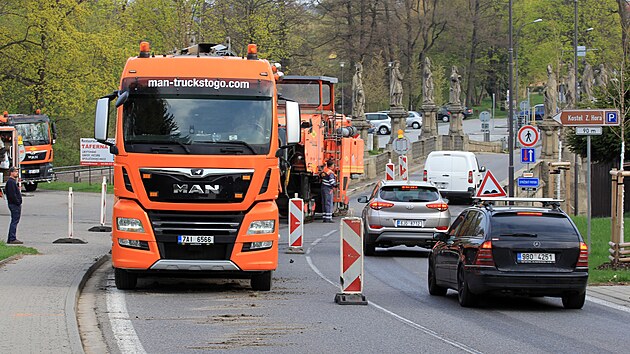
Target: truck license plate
x,y
195,240
536,257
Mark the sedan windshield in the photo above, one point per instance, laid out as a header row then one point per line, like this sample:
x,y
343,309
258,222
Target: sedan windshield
x,y
197,124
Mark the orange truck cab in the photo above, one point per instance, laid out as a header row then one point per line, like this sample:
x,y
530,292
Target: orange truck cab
x,y
38,134
196,171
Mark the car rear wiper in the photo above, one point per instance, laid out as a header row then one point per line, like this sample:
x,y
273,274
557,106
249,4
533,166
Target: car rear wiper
x,y
521,234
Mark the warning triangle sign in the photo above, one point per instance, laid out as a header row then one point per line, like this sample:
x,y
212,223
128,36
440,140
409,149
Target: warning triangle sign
x,y
490,187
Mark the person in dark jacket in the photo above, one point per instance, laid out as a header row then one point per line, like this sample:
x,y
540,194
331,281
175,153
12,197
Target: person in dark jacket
x,y
14,199
329,182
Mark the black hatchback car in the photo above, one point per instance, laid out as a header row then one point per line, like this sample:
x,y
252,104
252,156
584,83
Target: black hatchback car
x,y
532,251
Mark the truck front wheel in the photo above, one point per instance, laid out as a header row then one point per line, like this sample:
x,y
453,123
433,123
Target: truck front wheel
x,y
30,187
124,279
262,281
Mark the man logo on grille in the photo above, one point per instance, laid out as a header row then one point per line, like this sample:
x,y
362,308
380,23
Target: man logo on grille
x,y
196,171
195,189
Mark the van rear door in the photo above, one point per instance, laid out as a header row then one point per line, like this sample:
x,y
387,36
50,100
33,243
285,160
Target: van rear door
x,y
460,166
439,170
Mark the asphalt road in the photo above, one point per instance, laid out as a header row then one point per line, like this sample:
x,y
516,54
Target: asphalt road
x,y
299,314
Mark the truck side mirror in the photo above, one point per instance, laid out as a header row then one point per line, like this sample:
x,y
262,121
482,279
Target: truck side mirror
x,y
102,119
293,122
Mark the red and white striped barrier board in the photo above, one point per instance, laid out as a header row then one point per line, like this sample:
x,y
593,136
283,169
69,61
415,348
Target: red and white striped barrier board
x,y
389,171
296,225
351,263
402,163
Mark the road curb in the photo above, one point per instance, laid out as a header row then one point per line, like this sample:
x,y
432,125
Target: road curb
x,y
9,259
72,299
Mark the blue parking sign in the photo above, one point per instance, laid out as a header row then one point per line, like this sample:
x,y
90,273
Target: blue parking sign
x,y
528,155
611,117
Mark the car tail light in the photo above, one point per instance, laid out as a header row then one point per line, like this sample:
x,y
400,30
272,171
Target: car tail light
x,y
424,175
381,205
470,180
376,226
528,213
438,206
442,228
484,255
583,258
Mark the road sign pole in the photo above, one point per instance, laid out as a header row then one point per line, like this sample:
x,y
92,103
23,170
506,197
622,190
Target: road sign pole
x,y
588,191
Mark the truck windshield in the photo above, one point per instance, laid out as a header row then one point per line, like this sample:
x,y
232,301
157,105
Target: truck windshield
x,y
33,133
200,125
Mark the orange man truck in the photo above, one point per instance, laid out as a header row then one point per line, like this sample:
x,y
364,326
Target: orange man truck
x,y
38,135
196,170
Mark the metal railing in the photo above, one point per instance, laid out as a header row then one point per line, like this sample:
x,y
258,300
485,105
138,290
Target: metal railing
x,y
80,173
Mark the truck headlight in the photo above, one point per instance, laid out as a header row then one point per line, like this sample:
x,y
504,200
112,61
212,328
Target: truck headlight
x,y
143,245
129,225
261,227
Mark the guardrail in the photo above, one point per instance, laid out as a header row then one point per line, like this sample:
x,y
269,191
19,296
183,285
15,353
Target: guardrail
x,y
80,173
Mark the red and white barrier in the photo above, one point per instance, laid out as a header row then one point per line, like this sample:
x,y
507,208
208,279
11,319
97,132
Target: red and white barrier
x,y
70,238
351,263
296,225
389,171
404,171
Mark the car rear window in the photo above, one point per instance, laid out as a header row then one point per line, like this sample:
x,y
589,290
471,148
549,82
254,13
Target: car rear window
x,y
541,227
440,163
409,193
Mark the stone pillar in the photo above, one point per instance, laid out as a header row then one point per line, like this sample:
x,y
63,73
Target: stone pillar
x,y
456,129
549,135
429,121
363,126
398,115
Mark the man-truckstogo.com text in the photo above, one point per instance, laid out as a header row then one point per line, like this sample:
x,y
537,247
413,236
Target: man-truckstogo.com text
x,y
215,84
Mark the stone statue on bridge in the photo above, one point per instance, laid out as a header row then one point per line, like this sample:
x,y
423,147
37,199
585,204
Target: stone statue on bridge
x,y
358,95
427,87
456,87
395,85
601,76
587,83
551,93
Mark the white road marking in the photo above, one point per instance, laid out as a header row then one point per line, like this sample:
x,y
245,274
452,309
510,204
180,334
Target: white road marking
x,y
124,333
607,304
402,319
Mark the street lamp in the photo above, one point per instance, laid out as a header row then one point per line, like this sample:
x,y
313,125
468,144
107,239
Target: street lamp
x,y
518,34
342,64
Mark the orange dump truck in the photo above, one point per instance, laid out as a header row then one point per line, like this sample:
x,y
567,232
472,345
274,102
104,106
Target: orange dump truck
x,y
38,135
196,172
326,135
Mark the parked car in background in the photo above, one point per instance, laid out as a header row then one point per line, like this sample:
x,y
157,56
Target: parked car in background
x,y
455,173
379,122
444,114
414,119
539,112
403,213
519,250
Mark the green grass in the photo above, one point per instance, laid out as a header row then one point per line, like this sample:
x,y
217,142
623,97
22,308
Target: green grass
x,y
600,236
7,251
76,187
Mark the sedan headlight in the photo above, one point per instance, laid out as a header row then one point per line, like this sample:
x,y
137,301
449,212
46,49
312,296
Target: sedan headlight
x,y
261,227
129,225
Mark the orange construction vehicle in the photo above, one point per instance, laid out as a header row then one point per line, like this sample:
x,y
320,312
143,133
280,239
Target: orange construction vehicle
x,y
38,134
325,136
196,172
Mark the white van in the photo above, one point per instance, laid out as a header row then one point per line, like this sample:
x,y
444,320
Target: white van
x,y
455,173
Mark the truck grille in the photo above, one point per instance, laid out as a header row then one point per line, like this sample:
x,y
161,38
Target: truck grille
x,y
167,225
35,156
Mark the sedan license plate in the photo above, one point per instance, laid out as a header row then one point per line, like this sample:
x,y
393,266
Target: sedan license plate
x,y
409,223
195,240
535,257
